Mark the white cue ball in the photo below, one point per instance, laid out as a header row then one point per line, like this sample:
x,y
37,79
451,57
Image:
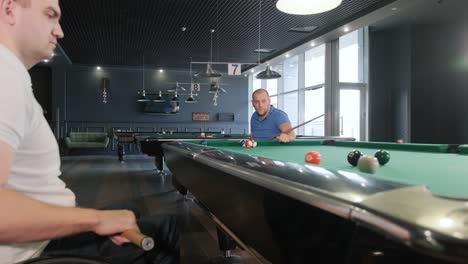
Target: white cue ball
x,y
254,144
368,164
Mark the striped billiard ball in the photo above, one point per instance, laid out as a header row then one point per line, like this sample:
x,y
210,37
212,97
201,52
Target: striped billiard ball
x,y
313,157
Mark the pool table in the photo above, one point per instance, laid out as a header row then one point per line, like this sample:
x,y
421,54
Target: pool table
x,y
152,145
414,209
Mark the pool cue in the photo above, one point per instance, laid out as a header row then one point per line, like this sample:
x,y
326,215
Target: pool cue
x,y
315,118
137,238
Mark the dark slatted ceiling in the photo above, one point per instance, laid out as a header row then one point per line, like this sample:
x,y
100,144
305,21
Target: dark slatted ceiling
x,y
121,32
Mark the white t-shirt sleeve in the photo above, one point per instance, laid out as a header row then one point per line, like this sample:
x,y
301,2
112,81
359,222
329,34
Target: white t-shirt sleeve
x,y
12,111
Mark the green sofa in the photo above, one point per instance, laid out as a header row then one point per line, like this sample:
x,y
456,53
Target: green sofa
x,y
80,140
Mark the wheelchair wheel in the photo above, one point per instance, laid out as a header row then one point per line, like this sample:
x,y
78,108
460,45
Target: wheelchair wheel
x,y
64,260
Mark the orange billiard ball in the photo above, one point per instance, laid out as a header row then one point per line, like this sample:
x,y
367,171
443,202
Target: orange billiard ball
x,y
313,157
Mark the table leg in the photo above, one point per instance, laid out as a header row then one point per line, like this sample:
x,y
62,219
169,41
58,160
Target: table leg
x,y
121,152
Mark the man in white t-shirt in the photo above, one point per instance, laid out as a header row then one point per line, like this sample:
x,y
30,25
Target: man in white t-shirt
x,y
35,205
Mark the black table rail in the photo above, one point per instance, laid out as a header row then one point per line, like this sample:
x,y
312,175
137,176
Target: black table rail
x,y
293,213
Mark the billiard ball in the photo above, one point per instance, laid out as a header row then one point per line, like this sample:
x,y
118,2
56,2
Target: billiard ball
x,y
254,144
382,156
368,164
242,142
202,134
354,156
204,143
248,143
313,157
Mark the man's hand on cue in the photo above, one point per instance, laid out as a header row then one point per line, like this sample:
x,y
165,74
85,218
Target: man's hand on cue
x,y
283,138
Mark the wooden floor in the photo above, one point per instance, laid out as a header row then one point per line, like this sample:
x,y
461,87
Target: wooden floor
x,y
101,181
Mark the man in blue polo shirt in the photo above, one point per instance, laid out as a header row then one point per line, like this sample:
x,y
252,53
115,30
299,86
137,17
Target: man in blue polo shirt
x,y
267,121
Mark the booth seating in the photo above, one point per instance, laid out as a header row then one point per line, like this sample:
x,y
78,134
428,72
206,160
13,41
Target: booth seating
x,y
86,140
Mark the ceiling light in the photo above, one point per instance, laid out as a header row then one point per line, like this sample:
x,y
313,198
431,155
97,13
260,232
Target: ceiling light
x,y
98,68
161,70
46,61
191,99
252,71
263,50
175,99
209,72
159,98
143,98
346,29
306,7
268,74
287,55
312,44
394,9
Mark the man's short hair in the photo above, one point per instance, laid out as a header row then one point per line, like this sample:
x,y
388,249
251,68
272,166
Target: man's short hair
x,y
259,91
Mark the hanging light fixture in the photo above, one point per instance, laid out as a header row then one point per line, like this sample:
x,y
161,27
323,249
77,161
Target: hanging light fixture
x,y
143,98
210,72
191,99
306,7
267,73
175,99
159,98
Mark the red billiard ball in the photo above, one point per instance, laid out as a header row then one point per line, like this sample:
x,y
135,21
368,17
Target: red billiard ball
x,y
313,157
248,143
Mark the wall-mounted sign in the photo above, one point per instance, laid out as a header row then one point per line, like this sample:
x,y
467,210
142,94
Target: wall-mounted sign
x,y
234,69
195,87
200,116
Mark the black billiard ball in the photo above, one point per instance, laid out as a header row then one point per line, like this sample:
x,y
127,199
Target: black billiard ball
x,y
354,156
382,156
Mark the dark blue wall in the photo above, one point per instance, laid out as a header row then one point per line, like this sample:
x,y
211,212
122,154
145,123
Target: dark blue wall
x,y
77,97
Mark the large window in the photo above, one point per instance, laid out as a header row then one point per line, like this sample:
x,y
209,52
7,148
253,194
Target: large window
x,y
352,88
291,108
314,66
290,74
313,108
257,83
350,57
330,79
274,101
272,87
350,102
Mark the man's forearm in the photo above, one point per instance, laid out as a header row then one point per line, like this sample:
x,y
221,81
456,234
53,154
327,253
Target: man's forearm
x,y
25,219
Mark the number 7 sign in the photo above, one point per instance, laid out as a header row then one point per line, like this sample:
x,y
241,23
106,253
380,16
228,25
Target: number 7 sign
x,y
234,69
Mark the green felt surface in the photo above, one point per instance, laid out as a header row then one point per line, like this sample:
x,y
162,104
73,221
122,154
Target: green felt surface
x,y
445,174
